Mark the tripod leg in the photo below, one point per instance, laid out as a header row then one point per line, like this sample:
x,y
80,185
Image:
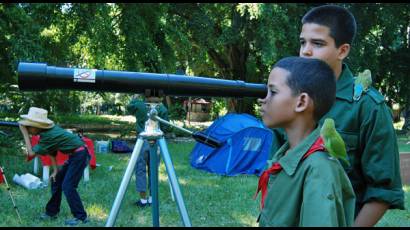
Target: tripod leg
x,y
153,163
124,183
170,187
174,182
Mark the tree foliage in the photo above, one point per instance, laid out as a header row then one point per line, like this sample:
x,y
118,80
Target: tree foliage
x,y
236,41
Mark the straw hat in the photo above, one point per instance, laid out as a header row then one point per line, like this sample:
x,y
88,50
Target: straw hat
x,y
36,117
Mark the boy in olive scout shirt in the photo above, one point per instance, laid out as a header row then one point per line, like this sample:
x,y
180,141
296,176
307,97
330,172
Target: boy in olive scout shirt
x,y
53,139
139,109
303,186
365,125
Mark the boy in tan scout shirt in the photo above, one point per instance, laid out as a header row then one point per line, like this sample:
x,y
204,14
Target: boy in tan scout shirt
x,y
52,139
303,186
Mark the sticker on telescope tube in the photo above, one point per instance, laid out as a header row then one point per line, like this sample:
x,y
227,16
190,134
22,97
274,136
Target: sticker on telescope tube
x,y
84,75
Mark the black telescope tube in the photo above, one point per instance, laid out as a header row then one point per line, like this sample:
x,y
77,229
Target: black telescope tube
x,y
40,77
207,139
9,123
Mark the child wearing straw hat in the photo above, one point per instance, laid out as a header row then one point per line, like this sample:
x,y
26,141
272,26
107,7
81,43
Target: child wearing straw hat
x,y
52,139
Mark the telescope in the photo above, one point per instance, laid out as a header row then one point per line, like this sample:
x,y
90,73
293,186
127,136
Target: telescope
x,y
9,123
40,77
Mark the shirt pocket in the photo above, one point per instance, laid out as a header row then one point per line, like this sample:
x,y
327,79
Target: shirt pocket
x,y
351,140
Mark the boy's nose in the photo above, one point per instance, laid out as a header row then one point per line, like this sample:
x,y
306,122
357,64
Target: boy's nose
x,y
306,51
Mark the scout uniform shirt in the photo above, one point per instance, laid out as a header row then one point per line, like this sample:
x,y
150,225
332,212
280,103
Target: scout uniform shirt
x,y
140,110
366,127
314,191
55,139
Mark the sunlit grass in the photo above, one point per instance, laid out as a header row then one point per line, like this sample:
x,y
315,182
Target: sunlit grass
x,y
396,217
211,200
96,211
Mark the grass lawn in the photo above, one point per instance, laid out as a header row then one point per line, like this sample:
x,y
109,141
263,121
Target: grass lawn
x,y
404,143
211,200
395,217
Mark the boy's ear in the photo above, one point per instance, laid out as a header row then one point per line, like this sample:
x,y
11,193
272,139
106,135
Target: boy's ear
x,y
344,50
302,102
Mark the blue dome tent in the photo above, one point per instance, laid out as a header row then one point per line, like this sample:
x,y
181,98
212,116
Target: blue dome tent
x,y
245,149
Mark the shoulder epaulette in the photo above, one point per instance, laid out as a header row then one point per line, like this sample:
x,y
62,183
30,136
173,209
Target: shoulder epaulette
x,y
375,95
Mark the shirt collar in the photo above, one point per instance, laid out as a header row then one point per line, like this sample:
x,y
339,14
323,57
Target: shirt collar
x,y
290,161
344,85
47,130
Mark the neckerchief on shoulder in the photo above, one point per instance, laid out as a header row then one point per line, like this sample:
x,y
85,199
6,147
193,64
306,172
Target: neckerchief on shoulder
x,y
276,167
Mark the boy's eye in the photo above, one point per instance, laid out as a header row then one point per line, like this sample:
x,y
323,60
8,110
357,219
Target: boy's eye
x,y
302,42
318,44
272,92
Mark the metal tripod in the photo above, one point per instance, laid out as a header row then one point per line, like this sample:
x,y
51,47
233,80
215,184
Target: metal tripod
x,y
154,135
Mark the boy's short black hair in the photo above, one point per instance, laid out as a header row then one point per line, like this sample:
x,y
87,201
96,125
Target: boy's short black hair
x,y
314,77
340,21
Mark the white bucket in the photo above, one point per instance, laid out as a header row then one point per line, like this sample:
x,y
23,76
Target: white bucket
x,y
102,146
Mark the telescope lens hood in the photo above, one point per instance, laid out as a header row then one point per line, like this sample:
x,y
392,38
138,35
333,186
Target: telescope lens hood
x,y
32,76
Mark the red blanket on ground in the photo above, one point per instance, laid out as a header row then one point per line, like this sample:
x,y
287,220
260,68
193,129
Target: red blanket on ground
x,y
61,158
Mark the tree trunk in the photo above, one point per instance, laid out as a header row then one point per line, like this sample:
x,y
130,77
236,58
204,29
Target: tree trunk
x,y
231,105
98,110
406,115
169,101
